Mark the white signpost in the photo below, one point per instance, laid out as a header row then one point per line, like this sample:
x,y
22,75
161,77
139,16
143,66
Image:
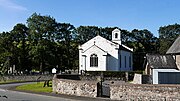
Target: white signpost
x,y
54,70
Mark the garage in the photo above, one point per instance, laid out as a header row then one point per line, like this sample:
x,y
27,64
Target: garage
x,y
169,78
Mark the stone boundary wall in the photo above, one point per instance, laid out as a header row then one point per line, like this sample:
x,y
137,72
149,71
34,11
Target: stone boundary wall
x,y
26,78
87,77
145,92
75,87
119,91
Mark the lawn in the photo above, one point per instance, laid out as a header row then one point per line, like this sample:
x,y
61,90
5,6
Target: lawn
x,y
35,87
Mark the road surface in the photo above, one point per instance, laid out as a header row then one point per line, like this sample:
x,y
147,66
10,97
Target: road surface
x,y
9,95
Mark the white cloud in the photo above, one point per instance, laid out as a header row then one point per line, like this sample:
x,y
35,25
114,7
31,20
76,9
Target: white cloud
x,y
8,4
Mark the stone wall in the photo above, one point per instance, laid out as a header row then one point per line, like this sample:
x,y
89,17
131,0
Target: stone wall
x,y
26,78
75,87
136,92
119,91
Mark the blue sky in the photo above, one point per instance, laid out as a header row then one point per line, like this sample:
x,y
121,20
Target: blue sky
x,y
126,14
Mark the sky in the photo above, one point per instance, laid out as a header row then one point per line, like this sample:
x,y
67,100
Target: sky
x,y
125,14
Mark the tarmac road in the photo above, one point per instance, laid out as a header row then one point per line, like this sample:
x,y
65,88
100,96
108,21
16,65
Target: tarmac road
x,y
9,95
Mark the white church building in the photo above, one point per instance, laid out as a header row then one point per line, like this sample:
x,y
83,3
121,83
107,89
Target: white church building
x,y
100,54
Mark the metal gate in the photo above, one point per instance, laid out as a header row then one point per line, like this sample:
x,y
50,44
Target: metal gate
x,y
103,89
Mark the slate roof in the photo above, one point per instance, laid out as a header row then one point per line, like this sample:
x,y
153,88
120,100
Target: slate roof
x,y
121,47
161,61
175,48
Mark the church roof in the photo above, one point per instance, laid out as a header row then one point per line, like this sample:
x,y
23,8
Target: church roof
x,y
126,48
161,61
121,47
175,48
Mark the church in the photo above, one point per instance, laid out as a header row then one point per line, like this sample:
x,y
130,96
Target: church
x,y
100,54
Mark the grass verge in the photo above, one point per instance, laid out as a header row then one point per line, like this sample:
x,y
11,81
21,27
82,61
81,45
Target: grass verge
x,y
35,87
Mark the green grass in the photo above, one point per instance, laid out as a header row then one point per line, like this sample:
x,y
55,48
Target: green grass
x,y
35,87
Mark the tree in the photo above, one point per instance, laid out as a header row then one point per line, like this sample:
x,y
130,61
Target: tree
x,y
107,32
66,38
167,35
19,38
143,42
41,34
146,41
5,53
85,33
44,43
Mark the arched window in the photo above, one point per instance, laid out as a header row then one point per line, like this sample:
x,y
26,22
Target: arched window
x,y
116,35
125,61
93,60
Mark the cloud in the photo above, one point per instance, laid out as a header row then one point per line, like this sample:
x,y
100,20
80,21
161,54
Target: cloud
x,y
8,4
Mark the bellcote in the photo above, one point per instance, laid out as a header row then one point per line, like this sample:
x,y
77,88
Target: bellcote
x,y
116,36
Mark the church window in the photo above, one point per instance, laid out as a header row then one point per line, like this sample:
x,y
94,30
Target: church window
x,y
120,61
130,61
125,61
93,60
116,35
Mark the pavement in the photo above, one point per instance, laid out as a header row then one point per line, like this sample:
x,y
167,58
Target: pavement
x,y
61,97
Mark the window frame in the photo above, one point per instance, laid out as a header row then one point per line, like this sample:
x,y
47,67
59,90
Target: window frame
x,y
130,63
93,60
125,61
116,35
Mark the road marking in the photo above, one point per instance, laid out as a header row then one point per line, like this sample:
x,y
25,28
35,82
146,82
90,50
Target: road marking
x,y
4,90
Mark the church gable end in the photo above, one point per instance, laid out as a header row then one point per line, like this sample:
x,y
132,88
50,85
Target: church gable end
x,y
100,54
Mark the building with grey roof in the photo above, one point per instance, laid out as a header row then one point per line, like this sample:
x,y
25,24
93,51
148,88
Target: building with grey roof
x,y
159,62
165,69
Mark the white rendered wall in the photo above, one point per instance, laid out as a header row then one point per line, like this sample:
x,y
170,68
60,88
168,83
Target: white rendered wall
x,y
113,62
104,44
101,59
104,47
80,60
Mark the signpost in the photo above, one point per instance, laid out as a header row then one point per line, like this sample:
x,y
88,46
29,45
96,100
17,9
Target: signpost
x,y
54,71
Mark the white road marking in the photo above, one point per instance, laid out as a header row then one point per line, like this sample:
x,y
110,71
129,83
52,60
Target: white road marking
x,y
4,90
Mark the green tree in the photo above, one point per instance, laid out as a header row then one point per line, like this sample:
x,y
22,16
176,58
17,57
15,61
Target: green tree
x,y
146,41
107,32
85,33
143,42
19,38
167,35
67,44
5,53
41,36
